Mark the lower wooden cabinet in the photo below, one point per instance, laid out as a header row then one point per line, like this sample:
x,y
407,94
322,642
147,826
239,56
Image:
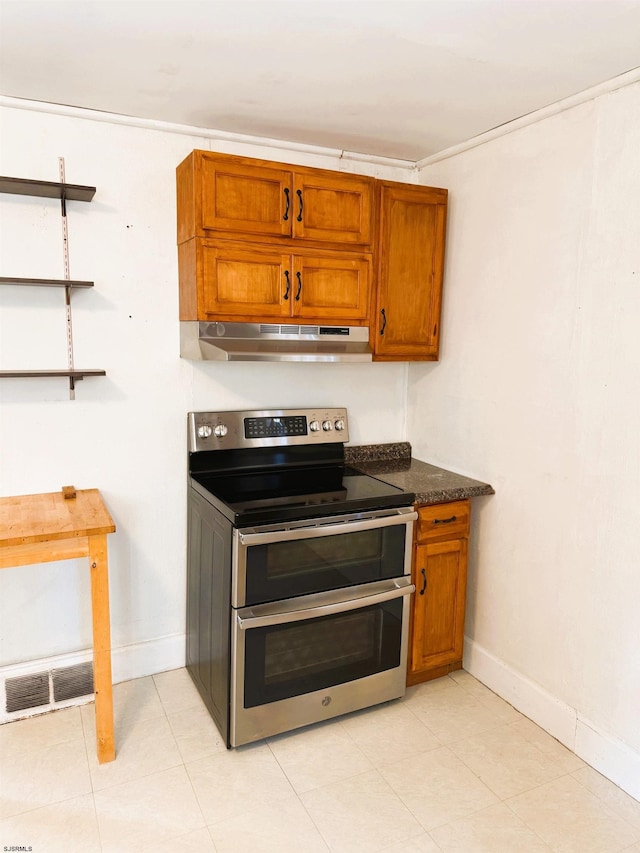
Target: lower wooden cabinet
x,y
436,632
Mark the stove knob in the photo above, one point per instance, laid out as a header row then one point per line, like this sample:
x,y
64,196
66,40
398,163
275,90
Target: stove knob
x,y
327,426
314,426
339,425
220,431
204,431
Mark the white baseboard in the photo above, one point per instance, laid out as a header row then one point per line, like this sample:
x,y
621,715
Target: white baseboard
x,y
148,658
127,663
601,750
609,756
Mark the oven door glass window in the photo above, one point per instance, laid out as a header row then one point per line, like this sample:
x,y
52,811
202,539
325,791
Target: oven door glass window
x,y
282,661
282,570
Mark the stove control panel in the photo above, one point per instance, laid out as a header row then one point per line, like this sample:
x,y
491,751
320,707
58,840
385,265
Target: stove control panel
x,y
275,427
266,428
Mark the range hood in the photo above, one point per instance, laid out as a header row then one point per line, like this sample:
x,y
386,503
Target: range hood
x,y
273,342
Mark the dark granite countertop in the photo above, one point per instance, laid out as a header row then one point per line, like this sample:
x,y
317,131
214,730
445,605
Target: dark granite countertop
x,y
394,464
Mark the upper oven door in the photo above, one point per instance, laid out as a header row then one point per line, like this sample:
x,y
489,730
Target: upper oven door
x,y
273,562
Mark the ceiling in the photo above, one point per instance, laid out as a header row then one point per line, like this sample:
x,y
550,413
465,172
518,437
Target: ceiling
x,y
396,79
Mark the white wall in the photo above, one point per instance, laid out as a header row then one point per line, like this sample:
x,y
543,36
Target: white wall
x,y
538,392
125,434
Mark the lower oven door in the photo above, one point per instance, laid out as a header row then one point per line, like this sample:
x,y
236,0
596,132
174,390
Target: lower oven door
x,y
317,656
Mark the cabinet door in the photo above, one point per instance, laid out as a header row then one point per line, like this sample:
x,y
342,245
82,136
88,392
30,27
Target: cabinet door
x,y
440,576
336,208
331,288
244,283
411,258
247,199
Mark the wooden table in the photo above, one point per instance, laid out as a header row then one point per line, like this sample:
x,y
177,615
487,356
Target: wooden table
x,y
45,527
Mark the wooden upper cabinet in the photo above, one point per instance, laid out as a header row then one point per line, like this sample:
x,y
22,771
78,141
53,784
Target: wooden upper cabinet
x,y
257,199
334,207
252,200
259,240
248,282
406,324
219,193
331,287
240,282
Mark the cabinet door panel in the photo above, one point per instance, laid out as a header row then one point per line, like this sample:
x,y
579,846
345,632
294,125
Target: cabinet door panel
x,y
411,266
331,208
246,199
244,283
438,616
331,288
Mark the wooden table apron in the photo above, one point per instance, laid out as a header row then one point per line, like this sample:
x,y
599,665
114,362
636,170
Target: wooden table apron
x,y
45,527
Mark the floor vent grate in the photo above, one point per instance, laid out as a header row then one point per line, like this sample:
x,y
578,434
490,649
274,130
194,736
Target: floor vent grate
x,y
27,691
48,688
72,681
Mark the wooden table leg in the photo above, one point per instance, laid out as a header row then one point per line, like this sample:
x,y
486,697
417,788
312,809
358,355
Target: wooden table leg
x,y
101,647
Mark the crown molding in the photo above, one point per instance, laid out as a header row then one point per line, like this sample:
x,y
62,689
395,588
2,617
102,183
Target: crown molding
x,y
202,132
612,85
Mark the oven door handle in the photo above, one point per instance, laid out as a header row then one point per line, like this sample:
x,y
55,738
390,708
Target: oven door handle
x,y
316,530
400,586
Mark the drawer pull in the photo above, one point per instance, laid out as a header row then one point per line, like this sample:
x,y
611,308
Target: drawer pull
x,y
423,572
286,293
299,277
445,520
286,212
299,194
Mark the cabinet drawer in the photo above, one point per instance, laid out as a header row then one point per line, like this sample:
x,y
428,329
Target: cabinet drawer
x,y
443,521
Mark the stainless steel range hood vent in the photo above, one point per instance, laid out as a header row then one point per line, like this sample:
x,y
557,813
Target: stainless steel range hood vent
x,y
273,342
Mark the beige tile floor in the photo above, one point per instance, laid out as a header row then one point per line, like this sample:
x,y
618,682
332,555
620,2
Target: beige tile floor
x,y
450,768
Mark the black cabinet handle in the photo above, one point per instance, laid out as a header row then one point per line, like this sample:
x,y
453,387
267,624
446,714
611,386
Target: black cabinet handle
x,y
423,572
286,293
299,194
444,520
286,210
384,321
299,277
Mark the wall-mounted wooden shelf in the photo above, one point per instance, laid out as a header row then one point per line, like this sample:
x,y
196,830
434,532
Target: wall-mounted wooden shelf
x,y
45,282
46,189
64,192
69,374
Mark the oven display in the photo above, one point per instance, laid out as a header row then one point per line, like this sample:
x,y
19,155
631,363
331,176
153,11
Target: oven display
x,y
275,427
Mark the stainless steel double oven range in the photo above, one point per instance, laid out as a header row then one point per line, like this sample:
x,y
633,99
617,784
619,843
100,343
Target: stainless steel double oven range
x,y
298,572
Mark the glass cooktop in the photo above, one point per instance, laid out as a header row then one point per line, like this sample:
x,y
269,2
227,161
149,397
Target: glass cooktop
x,y
287,494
